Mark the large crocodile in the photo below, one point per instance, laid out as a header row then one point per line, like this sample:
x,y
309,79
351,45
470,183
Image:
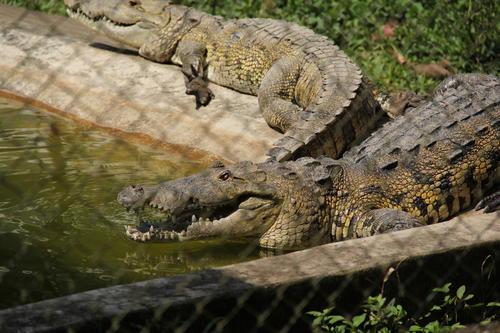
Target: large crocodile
x,y
307,88
424,167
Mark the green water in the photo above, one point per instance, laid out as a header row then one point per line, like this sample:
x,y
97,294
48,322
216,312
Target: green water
x,y
61,230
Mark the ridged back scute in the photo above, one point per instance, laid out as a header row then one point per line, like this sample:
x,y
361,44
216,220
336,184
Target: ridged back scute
x,y
456,101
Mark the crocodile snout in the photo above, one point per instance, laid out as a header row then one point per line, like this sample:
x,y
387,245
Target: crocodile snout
x,y
131,197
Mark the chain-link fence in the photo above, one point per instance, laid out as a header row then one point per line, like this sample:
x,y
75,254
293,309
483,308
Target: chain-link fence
x,y
62,232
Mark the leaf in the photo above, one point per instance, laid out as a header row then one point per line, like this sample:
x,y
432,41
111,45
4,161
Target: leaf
x,y
477,305
334,319
339,329
435,308
432,70
314,313
415,328
461,292
493,304
398,55
388,29
318,321
443,289
433,326
358,320
457,325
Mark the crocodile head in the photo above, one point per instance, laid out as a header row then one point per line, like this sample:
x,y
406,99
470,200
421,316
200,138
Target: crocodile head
x,y
151,26
281,204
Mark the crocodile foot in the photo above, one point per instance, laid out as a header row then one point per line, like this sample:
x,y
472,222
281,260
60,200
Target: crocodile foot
x,y
490,203
198,88
402,100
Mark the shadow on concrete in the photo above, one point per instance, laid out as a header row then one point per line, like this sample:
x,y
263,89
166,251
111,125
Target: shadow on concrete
x,y
110,48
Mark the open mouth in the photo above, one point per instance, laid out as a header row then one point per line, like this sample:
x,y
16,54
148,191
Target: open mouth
x,y
80,14
192,221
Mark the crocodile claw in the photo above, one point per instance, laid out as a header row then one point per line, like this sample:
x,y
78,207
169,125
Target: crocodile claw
x,y
490,203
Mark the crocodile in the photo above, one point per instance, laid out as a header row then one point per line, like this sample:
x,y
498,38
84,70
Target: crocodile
x,y
426,166
307,88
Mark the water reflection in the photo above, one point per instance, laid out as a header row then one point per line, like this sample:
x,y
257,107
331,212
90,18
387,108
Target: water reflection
x,y
60,229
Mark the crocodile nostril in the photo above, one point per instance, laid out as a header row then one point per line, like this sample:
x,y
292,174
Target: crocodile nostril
x,y
137,188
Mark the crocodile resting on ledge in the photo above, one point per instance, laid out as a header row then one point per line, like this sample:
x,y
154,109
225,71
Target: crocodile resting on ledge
x,y
426,166
306,87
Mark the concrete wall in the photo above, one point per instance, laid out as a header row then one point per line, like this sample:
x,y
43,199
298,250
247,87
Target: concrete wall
x,y
57,62
274,293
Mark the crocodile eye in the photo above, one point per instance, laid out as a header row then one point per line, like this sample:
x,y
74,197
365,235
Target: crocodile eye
x,y
133,3
225,175
137,188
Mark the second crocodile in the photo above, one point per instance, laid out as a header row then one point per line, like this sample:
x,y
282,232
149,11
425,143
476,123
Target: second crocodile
x,y
426,166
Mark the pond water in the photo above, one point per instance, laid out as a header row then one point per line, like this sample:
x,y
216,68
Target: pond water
x,y
61,230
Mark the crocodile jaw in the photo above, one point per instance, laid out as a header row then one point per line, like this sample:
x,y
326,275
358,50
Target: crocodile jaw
x,y
252,217
133,33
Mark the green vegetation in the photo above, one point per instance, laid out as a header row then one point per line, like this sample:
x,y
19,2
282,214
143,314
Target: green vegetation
x,y
375,33
387,38
49,6
384,317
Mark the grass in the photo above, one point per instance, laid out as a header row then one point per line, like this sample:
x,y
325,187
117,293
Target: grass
x,y
387,38
48,6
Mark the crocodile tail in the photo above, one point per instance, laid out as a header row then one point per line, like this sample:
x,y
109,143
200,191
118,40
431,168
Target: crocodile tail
x,y
330,133
336,115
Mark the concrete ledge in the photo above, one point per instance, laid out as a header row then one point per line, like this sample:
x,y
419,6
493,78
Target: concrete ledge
x,y
324,270
58,62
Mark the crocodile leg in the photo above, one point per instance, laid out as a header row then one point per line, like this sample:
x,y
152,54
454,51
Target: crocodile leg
x,y
191,55
490,203
276,94
385,220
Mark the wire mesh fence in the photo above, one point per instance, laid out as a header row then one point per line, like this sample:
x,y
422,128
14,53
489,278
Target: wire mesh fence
x,y
62,231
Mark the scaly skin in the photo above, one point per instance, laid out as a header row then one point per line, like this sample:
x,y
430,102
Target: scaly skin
x,y
307,88
426,166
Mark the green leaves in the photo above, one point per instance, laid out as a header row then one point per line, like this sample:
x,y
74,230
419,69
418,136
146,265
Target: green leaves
x,y
444,289
463,31
49,6
460,292
358,320
378,315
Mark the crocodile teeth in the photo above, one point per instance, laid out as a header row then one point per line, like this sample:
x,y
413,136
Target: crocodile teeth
x,y
193,218
171,235
129,230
